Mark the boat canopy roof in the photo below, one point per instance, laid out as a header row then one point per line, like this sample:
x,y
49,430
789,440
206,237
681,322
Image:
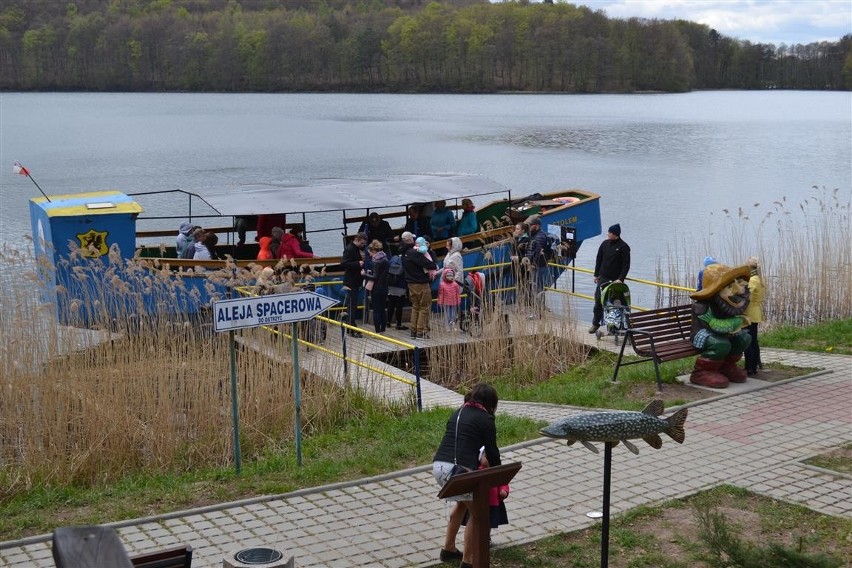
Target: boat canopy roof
x,y
343,194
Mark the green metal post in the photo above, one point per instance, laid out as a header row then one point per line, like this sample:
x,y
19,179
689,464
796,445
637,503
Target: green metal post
x,y
296,391
234,407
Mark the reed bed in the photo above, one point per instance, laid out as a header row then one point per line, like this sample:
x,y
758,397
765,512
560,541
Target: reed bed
x,y
136,393
515,341
804,251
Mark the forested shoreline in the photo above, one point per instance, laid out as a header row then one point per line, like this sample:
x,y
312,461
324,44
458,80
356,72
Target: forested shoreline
x,y
387,46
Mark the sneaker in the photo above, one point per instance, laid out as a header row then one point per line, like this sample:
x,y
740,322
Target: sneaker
x,y
594,328
422,336
450,555
413,335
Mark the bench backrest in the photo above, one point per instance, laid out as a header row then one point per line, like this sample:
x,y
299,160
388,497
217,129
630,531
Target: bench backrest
x,y
179,557
668,325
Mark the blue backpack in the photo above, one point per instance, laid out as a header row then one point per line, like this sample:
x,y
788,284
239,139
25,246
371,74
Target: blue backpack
x,y
395,266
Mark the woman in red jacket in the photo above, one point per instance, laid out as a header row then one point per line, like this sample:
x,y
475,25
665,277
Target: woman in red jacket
x,y
291,245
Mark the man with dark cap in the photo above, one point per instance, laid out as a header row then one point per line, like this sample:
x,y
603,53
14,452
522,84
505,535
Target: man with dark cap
x,y
352,262
536,262
611,265
377,229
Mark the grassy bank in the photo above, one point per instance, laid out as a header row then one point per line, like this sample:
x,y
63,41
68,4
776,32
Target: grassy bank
x,y
368,440
373,441
834,336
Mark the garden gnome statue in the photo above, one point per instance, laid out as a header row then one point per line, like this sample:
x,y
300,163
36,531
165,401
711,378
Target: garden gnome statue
x,y
719,328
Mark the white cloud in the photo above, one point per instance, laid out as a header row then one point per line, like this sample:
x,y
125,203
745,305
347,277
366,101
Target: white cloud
x,y
758,21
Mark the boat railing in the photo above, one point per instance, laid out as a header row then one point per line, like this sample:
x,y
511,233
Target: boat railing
x,y
678,294
391,214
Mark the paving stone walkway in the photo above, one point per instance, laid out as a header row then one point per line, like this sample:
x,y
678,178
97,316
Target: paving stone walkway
x,y
755,439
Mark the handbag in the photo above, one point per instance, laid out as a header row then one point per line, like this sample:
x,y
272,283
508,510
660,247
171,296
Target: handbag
x,y
458,469
369,285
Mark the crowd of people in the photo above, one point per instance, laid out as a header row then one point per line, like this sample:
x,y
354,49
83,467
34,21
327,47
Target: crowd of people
x,y
389,280
194,243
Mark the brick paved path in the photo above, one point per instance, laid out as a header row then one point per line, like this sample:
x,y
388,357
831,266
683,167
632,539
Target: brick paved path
x,y
756,440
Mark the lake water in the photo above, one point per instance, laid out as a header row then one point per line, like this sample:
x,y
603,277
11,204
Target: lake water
x,y
666,165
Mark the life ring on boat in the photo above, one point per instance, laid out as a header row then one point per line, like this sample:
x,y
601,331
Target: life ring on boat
x,y
567,200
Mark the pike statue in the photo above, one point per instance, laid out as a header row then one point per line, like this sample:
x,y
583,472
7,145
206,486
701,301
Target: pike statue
x,y
620,426
719,328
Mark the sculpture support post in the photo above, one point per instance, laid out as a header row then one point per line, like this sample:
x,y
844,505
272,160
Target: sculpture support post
x,y
605,523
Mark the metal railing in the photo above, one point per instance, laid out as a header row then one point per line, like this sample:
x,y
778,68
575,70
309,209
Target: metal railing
x,y
344,356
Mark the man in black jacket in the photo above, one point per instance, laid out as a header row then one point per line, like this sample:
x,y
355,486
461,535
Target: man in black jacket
x,y
416,266
377,229
611,265
536,262
352,262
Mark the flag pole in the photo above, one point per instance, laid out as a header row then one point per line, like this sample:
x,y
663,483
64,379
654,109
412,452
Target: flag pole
x,y
19,169
38,186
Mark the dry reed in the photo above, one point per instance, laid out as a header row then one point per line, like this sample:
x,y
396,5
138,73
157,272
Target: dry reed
x,y
153,395
804,252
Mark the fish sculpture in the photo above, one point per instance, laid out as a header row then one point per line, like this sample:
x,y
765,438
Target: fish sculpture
x,y
620,426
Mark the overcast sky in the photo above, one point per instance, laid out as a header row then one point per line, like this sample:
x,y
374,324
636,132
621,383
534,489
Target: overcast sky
x,y
758,21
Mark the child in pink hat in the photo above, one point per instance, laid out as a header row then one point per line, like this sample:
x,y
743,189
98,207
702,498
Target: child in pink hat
x,y
449,297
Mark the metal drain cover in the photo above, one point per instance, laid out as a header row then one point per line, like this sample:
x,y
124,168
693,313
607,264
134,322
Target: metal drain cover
x,y
259,555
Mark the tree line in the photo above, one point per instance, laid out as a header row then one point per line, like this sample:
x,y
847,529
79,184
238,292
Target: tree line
x,y
387,45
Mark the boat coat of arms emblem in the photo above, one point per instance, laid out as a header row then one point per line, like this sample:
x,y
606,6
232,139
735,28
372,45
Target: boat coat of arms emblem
x,y
93,243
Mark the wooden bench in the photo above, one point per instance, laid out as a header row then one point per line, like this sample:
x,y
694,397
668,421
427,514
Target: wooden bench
x,y
96,546
178,557
660,335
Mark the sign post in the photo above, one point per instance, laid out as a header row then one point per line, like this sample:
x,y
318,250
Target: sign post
x,y
235,409
479,483
297,393
256,311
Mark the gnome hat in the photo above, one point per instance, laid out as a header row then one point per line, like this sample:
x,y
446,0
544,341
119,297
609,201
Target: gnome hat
x,y
716,277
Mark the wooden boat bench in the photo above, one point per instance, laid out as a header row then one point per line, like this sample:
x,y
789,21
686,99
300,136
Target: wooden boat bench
x,y
660,335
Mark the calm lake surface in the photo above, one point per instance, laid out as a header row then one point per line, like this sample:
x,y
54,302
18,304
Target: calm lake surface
x,y
666,165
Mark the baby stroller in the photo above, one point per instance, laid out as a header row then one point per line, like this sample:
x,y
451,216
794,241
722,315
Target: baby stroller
x,y
470,318
615,299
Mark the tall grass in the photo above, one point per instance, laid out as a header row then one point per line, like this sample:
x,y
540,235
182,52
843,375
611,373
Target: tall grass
x,y
804,252
153,395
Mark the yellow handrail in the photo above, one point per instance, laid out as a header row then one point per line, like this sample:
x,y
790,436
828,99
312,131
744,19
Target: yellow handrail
x,y
245,290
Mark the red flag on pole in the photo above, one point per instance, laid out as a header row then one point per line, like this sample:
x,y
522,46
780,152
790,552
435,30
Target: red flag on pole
x,y
19,169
